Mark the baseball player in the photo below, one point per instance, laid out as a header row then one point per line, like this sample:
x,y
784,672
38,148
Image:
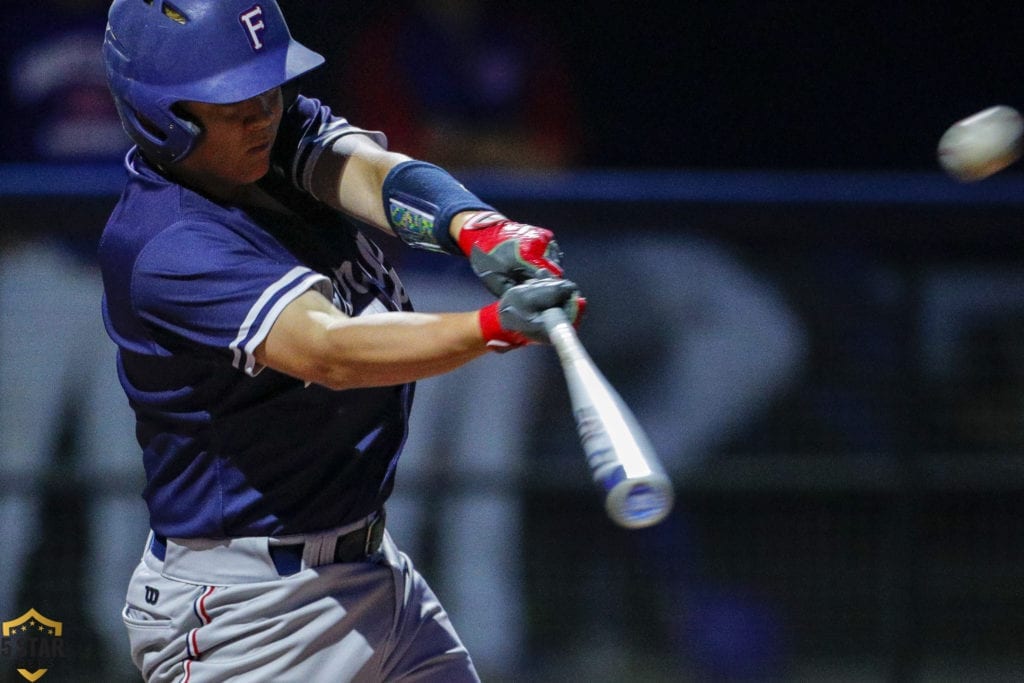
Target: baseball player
x,y
269,352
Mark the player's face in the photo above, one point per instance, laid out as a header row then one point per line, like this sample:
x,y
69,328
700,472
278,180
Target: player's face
x,y
234,149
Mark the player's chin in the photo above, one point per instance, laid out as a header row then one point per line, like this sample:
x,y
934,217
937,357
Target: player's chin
x,y
255,167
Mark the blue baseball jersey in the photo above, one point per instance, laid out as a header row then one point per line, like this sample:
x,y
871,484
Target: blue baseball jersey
x,y
192,287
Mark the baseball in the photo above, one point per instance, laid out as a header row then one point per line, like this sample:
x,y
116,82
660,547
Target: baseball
x,y
980,145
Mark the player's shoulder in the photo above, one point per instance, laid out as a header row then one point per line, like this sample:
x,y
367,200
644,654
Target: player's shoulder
x,y
154,210
151,201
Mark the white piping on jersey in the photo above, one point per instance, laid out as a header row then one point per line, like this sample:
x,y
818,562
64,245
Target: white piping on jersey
x,y
303,177
310,280
331,135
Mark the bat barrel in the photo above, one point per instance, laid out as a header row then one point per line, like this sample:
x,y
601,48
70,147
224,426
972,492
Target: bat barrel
x,y
621,459
637,491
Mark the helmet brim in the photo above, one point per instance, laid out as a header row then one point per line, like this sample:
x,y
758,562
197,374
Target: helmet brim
x,y
249,79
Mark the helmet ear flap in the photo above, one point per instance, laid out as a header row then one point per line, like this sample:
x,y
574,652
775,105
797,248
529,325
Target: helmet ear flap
x,y
186,120
166,143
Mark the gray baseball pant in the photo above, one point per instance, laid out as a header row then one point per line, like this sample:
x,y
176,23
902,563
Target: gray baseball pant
x,y
218,610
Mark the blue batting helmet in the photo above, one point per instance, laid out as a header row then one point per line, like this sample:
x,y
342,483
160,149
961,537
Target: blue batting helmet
x,y
160,52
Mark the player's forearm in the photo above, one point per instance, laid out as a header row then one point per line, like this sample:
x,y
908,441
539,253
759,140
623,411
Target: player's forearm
x,y
393,348
420,203
354,186
349,178
388,348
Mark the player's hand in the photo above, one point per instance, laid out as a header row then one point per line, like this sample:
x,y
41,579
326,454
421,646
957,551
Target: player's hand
x,y
516,318
504,253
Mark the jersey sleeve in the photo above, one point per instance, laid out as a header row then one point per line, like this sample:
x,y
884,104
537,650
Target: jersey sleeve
x,y
201,285
307,129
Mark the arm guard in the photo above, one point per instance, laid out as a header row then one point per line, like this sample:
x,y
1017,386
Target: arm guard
x,y
420,200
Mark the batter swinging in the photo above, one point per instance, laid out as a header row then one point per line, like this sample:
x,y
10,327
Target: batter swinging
x,y
269,352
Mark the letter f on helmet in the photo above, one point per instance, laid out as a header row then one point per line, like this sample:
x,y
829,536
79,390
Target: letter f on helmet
x,y
160,52
251,21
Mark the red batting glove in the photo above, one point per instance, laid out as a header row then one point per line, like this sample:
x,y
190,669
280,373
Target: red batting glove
x,y
504,253
497,337
517,318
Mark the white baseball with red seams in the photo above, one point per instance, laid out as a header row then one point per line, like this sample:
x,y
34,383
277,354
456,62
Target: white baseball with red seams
x,y
982,144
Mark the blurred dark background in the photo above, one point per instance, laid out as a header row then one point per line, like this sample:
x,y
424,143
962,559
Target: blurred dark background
x,y
756,85
823,335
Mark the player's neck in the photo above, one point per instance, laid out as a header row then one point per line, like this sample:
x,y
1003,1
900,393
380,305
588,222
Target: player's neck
x,y
211,186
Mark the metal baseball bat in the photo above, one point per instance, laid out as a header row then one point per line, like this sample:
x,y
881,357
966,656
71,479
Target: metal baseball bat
x,y
622,461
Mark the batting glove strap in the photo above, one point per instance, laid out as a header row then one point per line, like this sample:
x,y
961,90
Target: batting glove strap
x,y
517,318
503,252
497,337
